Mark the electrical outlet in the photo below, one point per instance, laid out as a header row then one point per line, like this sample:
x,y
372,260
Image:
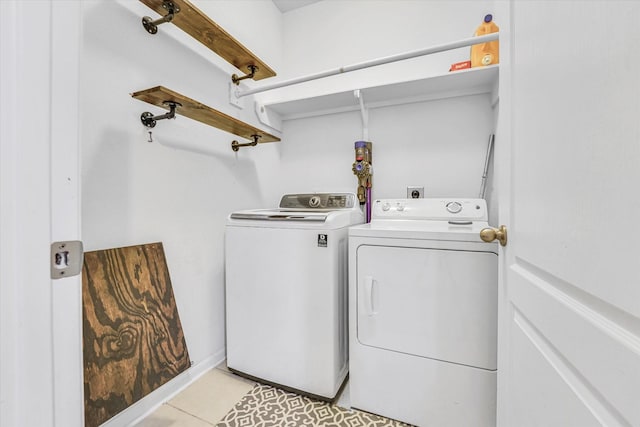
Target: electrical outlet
x,y
233,99
415,192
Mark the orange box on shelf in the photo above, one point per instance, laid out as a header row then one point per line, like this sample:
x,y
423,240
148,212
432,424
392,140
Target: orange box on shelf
x,y
460,66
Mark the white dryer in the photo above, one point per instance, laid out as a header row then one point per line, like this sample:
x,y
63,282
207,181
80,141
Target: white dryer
x,y
286,292
423,313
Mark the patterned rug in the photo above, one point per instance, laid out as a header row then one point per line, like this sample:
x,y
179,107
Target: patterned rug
x,y
266,406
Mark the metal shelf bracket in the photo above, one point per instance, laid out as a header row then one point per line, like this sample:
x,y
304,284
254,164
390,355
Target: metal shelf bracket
x,y
152,26
252,71
235,145
149,120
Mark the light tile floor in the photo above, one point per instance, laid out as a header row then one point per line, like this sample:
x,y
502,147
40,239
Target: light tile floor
x,y
205,402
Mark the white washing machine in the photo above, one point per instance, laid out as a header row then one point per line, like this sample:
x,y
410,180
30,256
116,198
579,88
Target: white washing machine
x,y
286,292
423,297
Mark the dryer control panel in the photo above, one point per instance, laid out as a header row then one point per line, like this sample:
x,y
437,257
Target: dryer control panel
x,y
431,209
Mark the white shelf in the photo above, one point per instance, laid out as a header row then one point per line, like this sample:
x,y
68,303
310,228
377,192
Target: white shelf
x,y
452,84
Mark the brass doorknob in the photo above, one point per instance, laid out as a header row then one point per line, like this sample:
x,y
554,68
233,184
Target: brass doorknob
x,y
491,234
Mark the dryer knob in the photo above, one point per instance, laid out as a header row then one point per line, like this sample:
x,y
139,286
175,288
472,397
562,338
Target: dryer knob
x,y
454,207
386,207
400,207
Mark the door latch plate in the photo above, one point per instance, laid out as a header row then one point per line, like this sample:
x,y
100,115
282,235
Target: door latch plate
x,y
66,259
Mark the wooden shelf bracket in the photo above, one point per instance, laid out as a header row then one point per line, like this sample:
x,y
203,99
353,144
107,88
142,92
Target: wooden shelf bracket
x,y
152,26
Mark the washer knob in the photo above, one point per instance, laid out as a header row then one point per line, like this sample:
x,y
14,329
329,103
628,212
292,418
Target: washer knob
x,y
454,207
386,207
400,207
314,201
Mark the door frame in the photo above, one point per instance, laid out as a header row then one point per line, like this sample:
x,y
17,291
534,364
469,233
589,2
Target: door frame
x,y
41,323
503,175
66,35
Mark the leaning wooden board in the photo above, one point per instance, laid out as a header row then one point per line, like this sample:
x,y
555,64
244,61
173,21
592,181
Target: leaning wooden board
x,y
132,339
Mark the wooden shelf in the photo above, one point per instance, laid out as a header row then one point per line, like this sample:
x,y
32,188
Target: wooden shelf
x,y
290,105
194,110
199,26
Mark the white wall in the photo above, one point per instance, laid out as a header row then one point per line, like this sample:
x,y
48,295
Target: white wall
x,y
440,145
332,33
179,189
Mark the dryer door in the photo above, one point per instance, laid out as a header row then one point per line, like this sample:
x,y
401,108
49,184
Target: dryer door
x,y
440,304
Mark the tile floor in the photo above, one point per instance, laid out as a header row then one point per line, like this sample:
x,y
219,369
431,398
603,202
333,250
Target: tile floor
x,y
207,401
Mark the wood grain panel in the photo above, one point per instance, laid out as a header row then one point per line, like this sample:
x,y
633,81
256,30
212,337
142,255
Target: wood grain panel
x,y
202,113
132,336
199,26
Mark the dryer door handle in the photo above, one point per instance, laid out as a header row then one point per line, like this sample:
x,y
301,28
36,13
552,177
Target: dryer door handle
x,y
369,295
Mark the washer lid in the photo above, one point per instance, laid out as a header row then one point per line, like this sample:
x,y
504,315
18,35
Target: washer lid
x,y
332,210
284,218
280,215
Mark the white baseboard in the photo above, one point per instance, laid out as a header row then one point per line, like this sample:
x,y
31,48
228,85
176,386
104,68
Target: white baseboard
x,y
145,406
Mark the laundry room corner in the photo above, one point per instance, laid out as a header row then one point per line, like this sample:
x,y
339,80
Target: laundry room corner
x,y
174,183
177,182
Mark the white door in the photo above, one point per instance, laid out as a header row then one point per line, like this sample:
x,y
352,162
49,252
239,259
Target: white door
x,y
569,162
40,323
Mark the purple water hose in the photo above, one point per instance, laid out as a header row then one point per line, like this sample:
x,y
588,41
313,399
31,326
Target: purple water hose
x,y
368,205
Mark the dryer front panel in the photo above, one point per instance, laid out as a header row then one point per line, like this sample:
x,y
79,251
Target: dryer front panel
x,y
434,303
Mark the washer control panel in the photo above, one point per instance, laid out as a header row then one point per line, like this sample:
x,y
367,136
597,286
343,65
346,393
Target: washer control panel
x,y
457,210
319,201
